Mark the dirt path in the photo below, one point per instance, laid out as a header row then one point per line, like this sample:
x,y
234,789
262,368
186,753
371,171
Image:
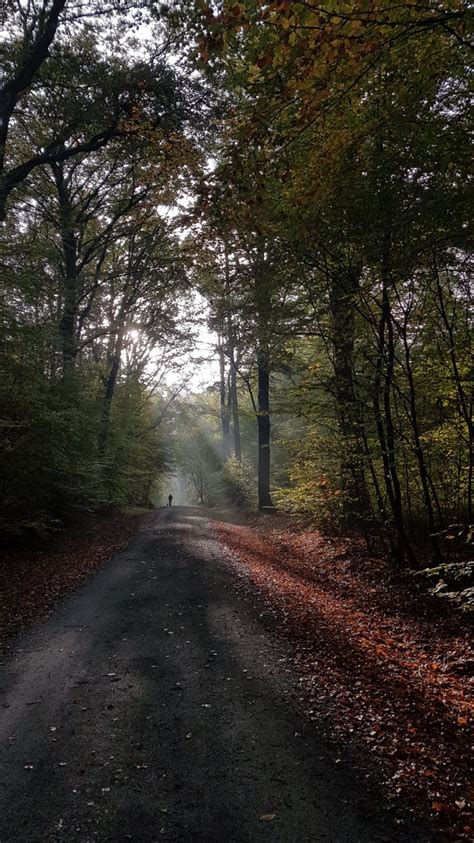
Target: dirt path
x,y
152,705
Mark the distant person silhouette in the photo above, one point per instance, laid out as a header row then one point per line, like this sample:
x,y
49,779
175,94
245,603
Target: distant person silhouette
x,y
170,500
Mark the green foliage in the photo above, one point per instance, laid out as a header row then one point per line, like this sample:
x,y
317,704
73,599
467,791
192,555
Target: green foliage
x,y
92,274
344,168
330,235
453,582
135,457
50,463
237,483
314,487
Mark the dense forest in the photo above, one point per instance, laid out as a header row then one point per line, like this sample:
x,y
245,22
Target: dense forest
x,y
301,168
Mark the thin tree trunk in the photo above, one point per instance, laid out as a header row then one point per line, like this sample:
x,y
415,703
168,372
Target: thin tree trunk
x,y
465,402
386,428
419,450
264,315
263,421
234,400
233,394
375,482
68,320
110,385
224,405
356,497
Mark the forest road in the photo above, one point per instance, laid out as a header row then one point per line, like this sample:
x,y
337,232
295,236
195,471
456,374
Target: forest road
x,y
153,705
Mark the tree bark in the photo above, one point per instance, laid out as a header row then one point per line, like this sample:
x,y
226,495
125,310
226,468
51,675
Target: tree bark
x,y
263,304
356,497
67,324
465,401
420,457
385,425
233,394
234,397
110,385
263,421
224,404
10,92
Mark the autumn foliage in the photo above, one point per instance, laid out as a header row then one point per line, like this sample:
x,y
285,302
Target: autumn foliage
x,y
378,670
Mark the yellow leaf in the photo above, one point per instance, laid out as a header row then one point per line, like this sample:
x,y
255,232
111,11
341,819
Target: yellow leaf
x,y
253,72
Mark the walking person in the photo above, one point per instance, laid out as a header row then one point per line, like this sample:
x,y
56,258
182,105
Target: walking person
x,y
170,500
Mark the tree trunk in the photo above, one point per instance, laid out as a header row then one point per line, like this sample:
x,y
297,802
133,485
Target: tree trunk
x,y
224,405
356,497
233,395
263,304
263,421
385,425
420,457
110,385
34,54
67,324
465,402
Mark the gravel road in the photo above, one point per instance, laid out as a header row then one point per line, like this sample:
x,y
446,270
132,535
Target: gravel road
x,y
153,705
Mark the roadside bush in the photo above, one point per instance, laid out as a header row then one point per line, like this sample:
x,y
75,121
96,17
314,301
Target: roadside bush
x,y
237,483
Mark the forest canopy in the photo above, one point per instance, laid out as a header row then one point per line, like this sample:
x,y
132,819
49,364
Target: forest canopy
x,y
304,169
